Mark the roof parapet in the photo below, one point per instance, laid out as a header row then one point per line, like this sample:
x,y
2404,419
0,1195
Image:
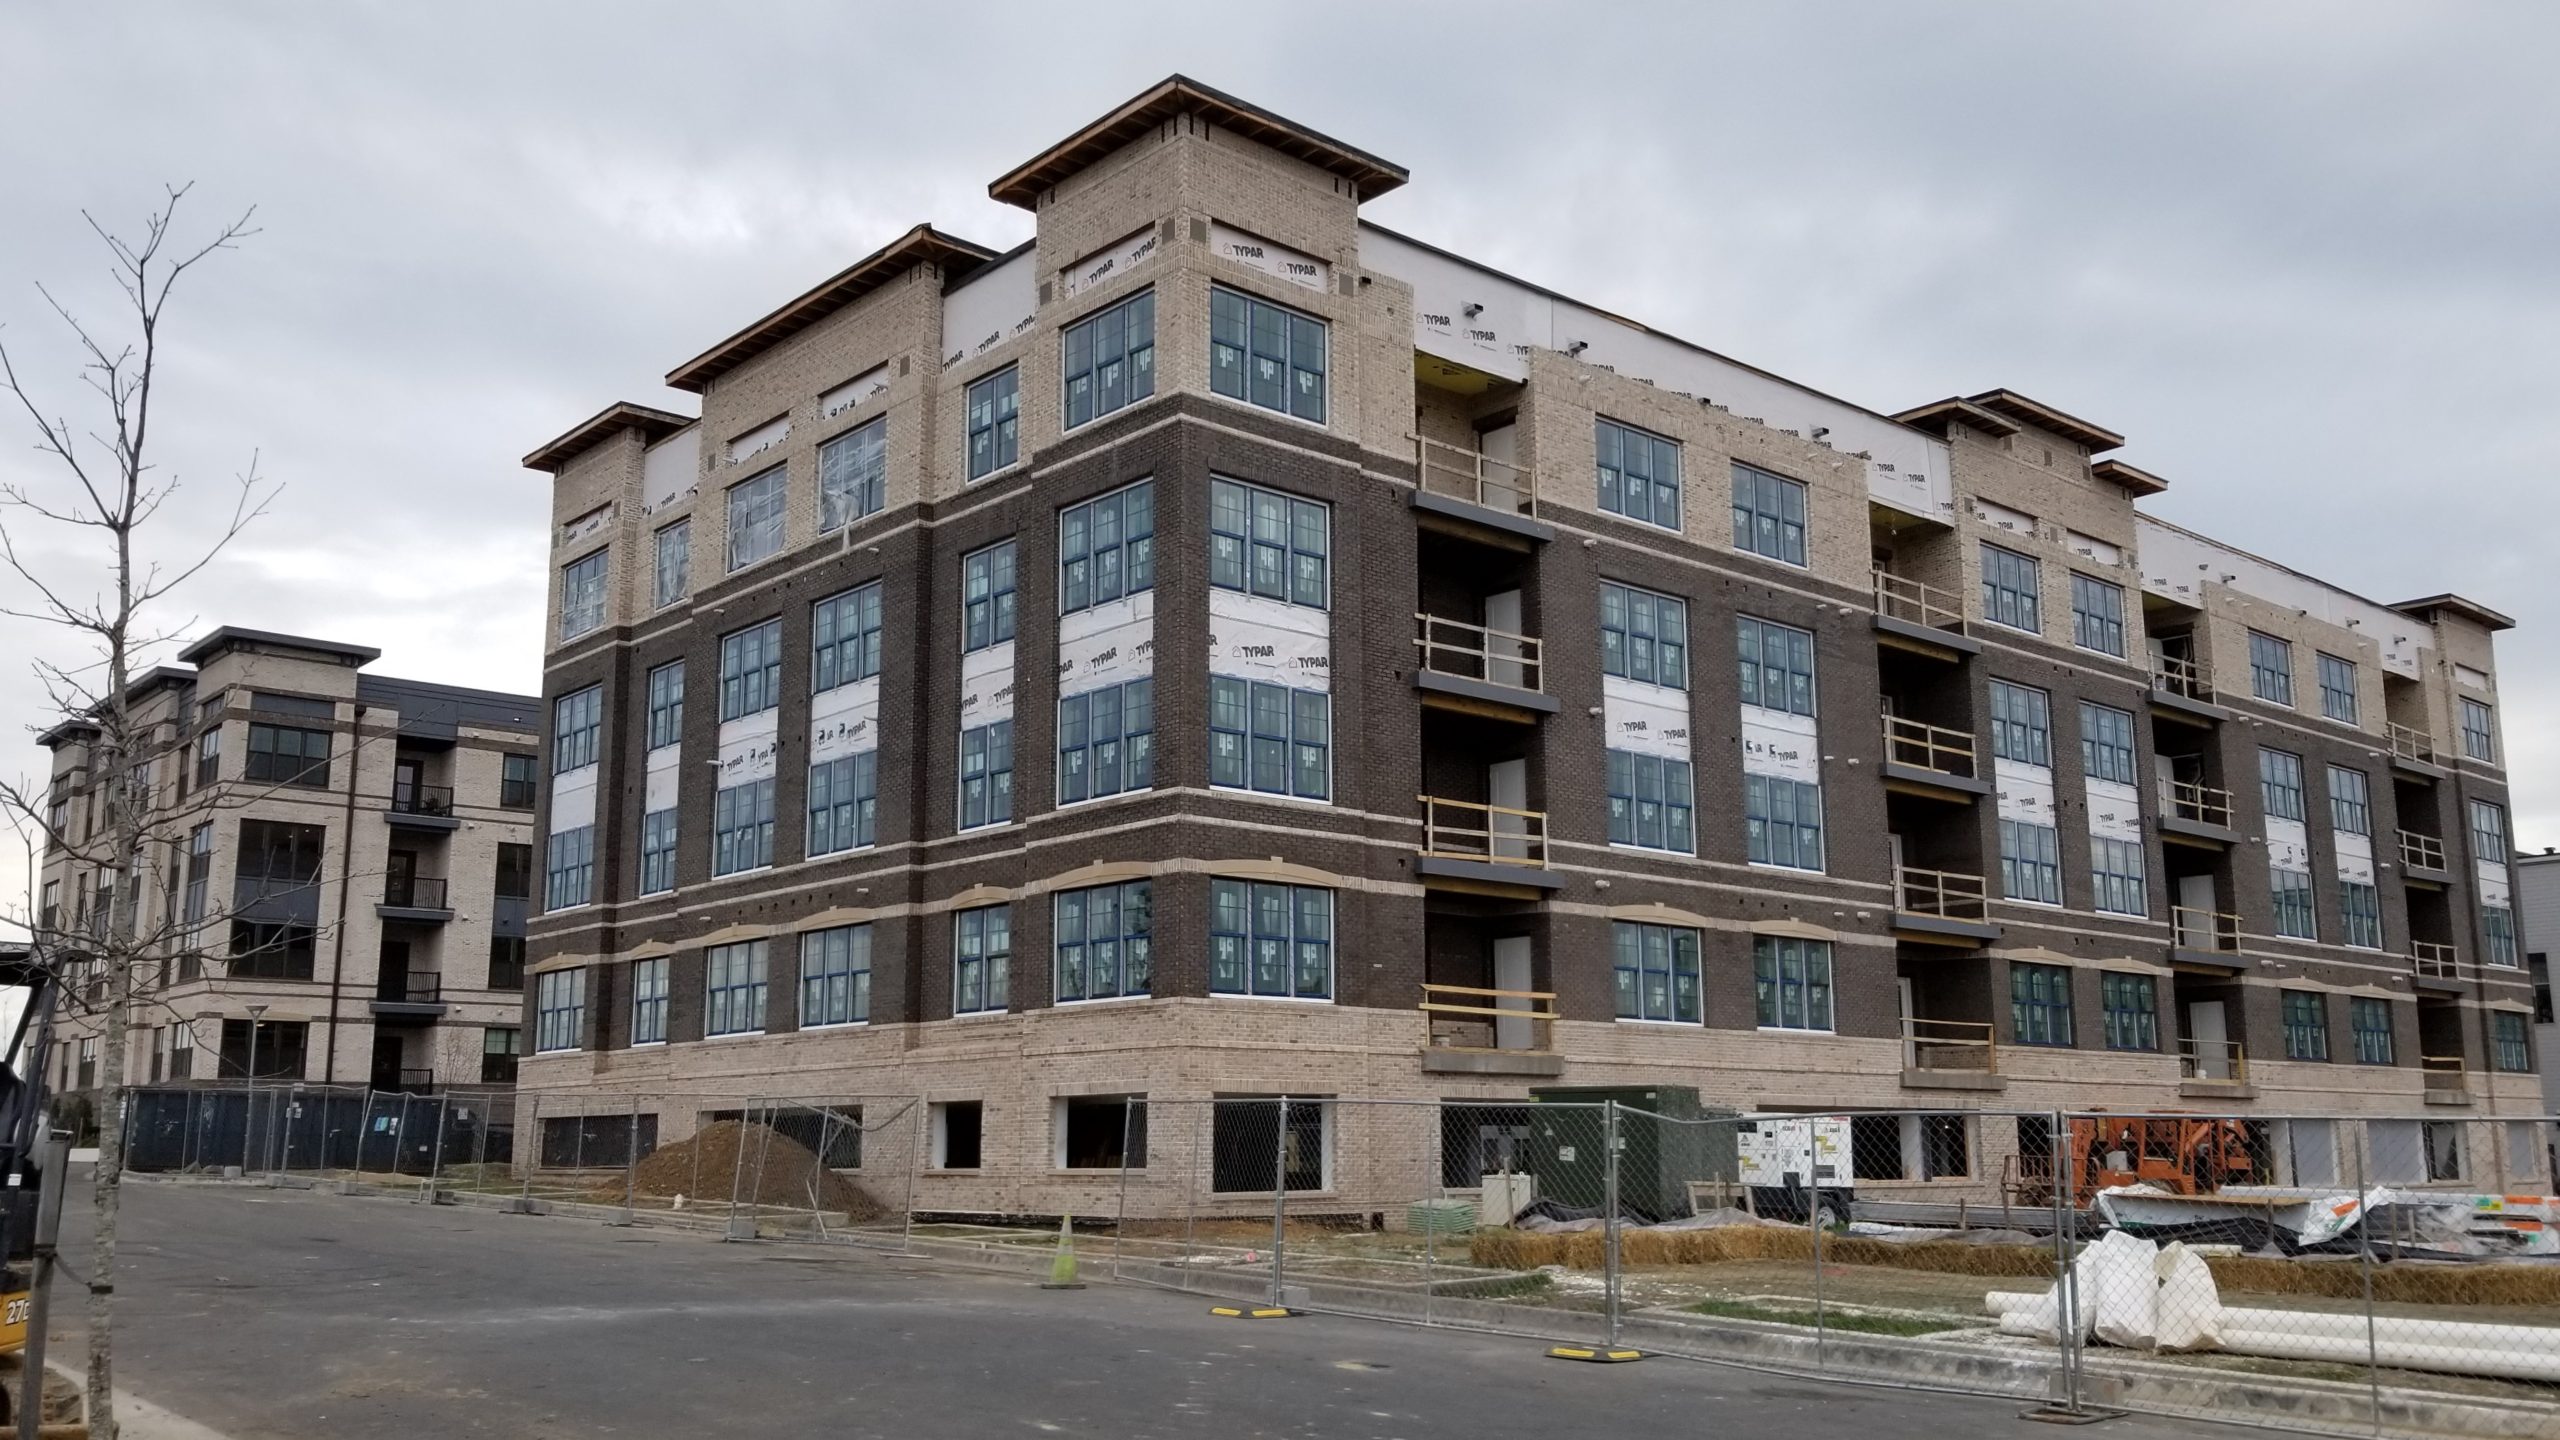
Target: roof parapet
x,y
654,425
921,245
1181,95
2472,610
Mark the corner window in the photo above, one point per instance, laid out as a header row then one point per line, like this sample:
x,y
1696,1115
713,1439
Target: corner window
x,y
2040,1005
577,722
666,705
986,597
844,637
569,869
734,989
1271,940
1656,972
742,827
1270,738
1782,822
981,959
648,1002
1768,514
1639,474
1644,636
1791,982
582,595
835,976
1266,355
673,562
2097,615
1106,741
1110,359
750,670
1106,548
1104,940
1777,665
2498,931
2337,688
282,755
755,517
843,803
2306,1025
2131,1006
1650,803
1269,544
986,775
559,1010
2488,833
2271,669
995,422
2479,730
2009,582
853,475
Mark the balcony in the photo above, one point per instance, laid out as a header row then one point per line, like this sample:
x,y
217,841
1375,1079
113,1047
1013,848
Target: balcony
x,y
1484,849
2182,690
417,898
1477,670
2446,1081
2194,813
2212,1066
2422,860
1921,618
2438,968
1942,907
417,1082
1478,1031
414,995
1932,761
1950,1055
1477,492
422,807
2205,940
2413,750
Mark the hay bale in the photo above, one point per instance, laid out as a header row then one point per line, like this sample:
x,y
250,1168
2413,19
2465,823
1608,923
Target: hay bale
x,y
774,1170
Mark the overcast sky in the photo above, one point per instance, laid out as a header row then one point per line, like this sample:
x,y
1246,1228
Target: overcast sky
x,y
2306,256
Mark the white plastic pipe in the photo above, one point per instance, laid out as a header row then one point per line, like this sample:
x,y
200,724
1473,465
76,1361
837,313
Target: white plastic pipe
x,y
2464,1347
2441,1356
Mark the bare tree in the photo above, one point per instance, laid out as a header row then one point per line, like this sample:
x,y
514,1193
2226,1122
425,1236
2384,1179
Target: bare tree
x,y
104,497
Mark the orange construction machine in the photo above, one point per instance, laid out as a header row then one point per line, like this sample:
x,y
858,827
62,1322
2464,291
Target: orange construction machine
x,y
2185,1155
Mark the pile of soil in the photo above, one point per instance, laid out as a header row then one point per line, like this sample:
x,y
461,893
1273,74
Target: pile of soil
x,y
775,1170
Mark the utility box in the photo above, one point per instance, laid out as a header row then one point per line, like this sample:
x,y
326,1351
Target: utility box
x,y
1666,1140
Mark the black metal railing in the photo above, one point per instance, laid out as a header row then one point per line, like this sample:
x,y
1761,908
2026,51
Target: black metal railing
x,y
414,987
414,892
433,800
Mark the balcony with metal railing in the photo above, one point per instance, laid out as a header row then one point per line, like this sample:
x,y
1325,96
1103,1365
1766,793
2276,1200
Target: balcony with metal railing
x,y
415,898
1470,486
2203,938
1480,670
2422,857
1467,845
1921,618
2439,968
2213,1062
1942,907
2193,812
413,995
2412,750
2182,690
421,807
1932,761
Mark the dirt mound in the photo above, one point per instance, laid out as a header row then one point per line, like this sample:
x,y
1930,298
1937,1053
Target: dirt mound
x,y
775,1170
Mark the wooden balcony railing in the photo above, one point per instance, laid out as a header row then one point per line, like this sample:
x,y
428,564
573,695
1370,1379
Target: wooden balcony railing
x,y
1947,894
2410,743
2182,676
1952,1045
1470,1017
2421,852
1465,830
2444,1072
1478,652
2200,929
1475,477
2434,961
2217,1060
1929,747
2195,801
1916,603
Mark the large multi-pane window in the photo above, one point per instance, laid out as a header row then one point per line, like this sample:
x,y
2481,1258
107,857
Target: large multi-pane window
x,y
733,982
2009,582
1776,665
2131,1006
2369,1021
844,796
2290,892
2337,688
2280,785
672,562
1791,982
582,595
559,1010
2306,1025
1104,936
853,475
1110,359
986,597
2115,871
1639,474
191,910
1657,970
2040,1005
1650,802
1768,514
208,770
742,827
649,1001
1106,741
995,422
835,976
981,960
666,704
2097,614
1270,940
1266,355
751,670
2508,1050
577,722
755,516
986,775
1269,544
1270,738
1644,636
2021,724
1107,547
569,868
1782,822
2360,914
844,638
2488,833
2479,730
284,755
2350,801
2271,668
2106,743
2498,930
2030,862
658,851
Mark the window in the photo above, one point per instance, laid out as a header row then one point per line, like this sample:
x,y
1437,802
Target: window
x,y
2306,1025
1768,514
658,852
2009,589
995,422
569,868
1268,544
1106,741
755,517
517,782
506,962
1269,738
515,872
1658,970
2271,669
2360,912
1265,355
853,475
1639,475
500,1045
1782,822
959,1127
2498,929
986,597
648,1001
2291,894
2508,1050
2040,1005
742,827
2369,1020
2337,688
835,976
2131,1005
559,1010
844,638
264,950
288,756
1777,665
208,769
1103,939
182,1051
2280,785
2488,833
1253,1136
1649,802
986,775
1645,636
843,802
2444,1149
1106,548
733,989
674,562
1271,940
2540,966
1791,980
2021,724
582,595
281,1046
666,705
2350,801
2030,862
2115,869
751,670
2097,615
1102,1132
981,960
1111,359
577,724
2106,743
2479,732
199,880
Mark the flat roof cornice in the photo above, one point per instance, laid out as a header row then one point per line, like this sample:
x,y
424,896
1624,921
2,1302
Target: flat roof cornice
x,y
1182,95
2140,482
653,425
922,245
2044,417
1936,416
229,636
2471,610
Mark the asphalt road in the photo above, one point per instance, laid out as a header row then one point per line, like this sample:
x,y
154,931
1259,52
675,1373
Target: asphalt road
x,y
292,1313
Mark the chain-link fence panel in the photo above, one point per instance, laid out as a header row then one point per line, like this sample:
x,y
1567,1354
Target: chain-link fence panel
x,y
816,1169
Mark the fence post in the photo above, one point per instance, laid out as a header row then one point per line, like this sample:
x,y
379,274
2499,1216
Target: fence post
x,y
435,1158
1813,1220
1279,1202
1128,1129
920,1116
2066,1289
531,1157
284,1152
1196,1175
631,1162
738,1168
1435,1212
2364,1264
1609,1219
